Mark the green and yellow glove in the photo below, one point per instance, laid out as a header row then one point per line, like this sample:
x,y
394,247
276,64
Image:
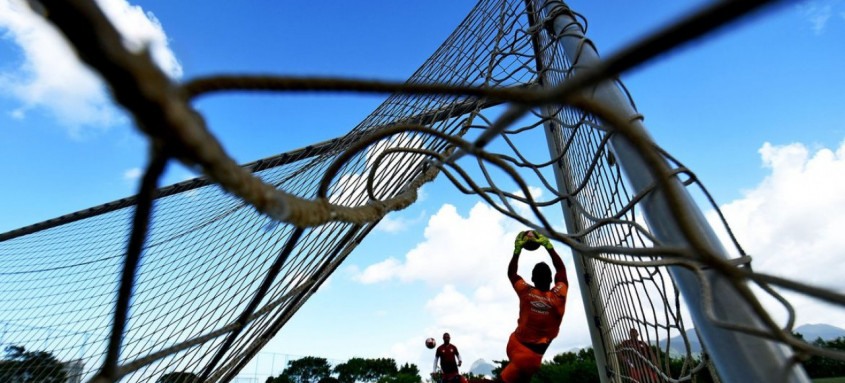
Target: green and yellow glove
x,y
543,240
518,242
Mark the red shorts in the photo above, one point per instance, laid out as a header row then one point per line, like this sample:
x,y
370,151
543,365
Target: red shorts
x,y
523,362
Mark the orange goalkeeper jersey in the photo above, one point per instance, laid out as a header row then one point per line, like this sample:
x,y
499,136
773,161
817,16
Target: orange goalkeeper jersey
x,y
540,312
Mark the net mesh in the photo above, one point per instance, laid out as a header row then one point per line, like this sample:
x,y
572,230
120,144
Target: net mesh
x,y
198,276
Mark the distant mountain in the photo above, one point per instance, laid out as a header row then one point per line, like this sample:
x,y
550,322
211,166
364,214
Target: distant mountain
x,y
482,367
815,331
676,344
810,332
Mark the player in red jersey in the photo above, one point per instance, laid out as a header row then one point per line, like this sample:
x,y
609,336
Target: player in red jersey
x,y
450,360
541,309
638,359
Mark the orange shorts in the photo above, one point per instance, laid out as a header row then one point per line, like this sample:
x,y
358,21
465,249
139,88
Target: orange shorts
x,y
523,362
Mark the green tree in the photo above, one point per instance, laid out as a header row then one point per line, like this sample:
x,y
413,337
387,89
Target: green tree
x,y
400,378
683,366
309,369
409,369
179,377
408,373
474,377
21,366
569,367
351,371
282,378
367,370
497,371
581,366
821,367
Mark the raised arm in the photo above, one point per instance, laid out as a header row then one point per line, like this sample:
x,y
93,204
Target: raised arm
x,y
514,263
560,269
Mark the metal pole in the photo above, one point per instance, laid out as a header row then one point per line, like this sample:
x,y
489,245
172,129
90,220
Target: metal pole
x,y
738,357
574,223
583,269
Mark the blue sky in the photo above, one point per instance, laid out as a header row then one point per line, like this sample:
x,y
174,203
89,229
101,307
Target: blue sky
x,y
755,110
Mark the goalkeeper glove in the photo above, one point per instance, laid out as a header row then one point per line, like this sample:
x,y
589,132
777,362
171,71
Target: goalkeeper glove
x,y
543,240
520,240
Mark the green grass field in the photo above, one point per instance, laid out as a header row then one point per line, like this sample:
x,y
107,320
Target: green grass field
x,y
830,380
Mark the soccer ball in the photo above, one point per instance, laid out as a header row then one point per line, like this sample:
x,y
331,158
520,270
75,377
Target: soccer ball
x,y
531,245
530,238
430,343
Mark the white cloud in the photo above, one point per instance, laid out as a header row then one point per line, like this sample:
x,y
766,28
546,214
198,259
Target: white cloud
x,y
454,245
142,29
379,272
17,114
350,188
422,195
818,13
791,222
394,223
132,174
51,77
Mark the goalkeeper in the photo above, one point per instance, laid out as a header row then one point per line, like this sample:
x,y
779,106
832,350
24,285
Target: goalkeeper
x,y
541,309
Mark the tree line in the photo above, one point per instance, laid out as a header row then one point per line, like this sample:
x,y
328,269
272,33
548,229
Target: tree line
x,y
577,366
22,366
581,366
311,369
819,367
